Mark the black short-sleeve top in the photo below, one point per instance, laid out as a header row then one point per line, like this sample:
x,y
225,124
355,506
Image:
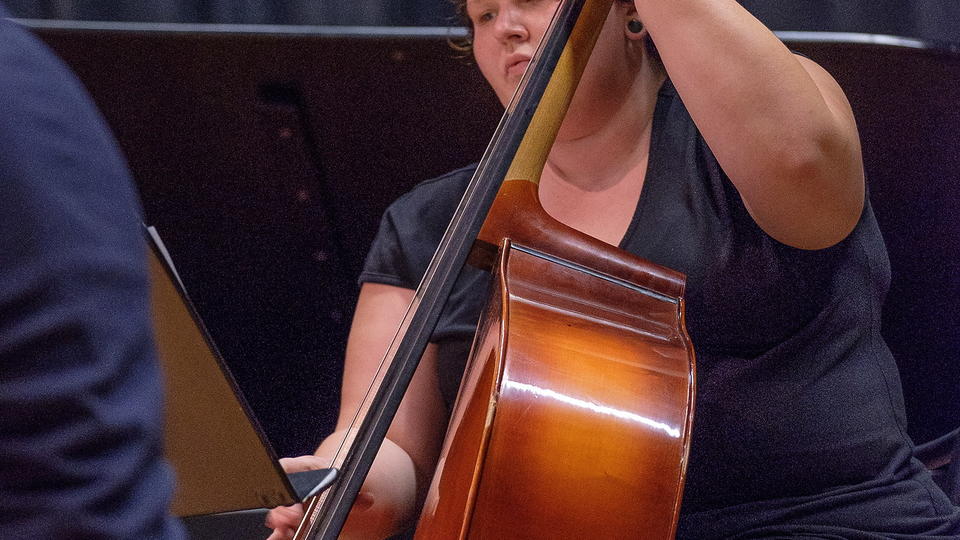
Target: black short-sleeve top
x,y
800,424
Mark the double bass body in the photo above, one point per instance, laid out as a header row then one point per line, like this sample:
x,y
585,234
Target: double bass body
x,y
574,414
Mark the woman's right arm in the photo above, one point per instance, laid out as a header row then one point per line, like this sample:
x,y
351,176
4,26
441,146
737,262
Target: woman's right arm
x,y
401,473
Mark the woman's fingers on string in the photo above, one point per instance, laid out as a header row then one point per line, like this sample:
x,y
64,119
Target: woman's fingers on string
x,y
303,463
285,516
284,520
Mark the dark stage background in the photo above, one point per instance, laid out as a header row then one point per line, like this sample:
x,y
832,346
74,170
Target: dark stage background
x,y
265,158
928,19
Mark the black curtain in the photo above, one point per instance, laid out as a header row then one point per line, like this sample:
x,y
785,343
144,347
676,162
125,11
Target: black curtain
x,y
926,19
313,12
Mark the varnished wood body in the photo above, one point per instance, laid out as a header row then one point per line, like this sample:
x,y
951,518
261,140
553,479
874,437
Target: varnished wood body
x,y
574,416
516,214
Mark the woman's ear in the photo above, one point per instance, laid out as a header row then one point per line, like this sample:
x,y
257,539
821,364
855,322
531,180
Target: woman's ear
x,y
632,26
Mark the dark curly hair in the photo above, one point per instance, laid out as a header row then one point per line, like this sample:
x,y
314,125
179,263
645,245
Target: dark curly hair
x,y
462,45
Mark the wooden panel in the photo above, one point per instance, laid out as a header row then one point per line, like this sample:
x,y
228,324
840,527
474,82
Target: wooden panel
x,y
574,417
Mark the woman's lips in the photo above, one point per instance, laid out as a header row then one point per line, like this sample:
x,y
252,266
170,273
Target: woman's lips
x,y
517,67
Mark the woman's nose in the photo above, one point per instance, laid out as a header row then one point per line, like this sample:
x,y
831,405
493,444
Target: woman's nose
x,y
510,26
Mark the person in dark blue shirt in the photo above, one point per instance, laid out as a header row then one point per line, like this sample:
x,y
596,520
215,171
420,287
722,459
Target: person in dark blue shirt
x,y
80,392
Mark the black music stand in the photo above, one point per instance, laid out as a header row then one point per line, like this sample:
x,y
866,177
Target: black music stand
x,y
222,459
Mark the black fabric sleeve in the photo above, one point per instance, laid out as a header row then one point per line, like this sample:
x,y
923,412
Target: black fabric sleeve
x,y
411,229
385,262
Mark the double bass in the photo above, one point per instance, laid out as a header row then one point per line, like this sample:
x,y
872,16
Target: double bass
x,y
575,410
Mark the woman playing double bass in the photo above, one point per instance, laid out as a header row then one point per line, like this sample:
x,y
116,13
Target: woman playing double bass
x,y
720,154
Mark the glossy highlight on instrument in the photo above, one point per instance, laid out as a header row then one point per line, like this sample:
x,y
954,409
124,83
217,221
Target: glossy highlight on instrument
x,y
595,408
